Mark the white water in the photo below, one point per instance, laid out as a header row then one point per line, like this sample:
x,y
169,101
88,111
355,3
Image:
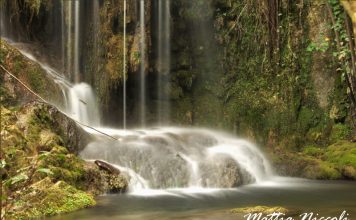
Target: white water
x,y
79,99
124,70
69,37
82,105
76,42
180,158
164,59
71,44
142,67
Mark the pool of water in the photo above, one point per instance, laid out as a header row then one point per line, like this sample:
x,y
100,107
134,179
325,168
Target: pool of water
x,y
327,198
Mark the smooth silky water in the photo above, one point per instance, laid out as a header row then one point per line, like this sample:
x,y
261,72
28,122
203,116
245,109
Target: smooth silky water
x,y
324,197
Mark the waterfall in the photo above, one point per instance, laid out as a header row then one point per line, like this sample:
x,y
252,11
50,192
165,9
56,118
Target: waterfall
x,y
73,39
82,105
2,20
96,29
142,66
79,99
160,158
63,29
76,42
124,70
181,158
69,38
163,107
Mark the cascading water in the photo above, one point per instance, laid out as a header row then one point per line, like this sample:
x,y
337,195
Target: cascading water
x,y
124,70
76,42
154,158
142,66
69,36
163,61
82,104
181,158
79,99
2,20
71,43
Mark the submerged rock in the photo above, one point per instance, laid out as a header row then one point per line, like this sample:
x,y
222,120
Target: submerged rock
x,y
266,210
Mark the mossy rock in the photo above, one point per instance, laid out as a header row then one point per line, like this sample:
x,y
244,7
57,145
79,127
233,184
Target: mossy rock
x,y
313,151
342,153
322,170
53,177
46,198
266,210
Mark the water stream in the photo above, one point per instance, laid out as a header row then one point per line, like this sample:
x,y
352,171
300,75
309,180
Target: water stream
x,y
124,93
164,61
142,66
168,157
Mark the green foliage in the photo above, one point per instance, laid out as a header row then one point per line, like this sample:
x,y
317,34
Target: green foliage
x,y
321,47
16,179
45,171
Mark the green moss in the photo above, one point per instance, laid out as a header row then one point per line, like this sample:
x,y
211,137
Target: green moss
x,y
340,132
32,147
313,151
342,153
322,170
52,199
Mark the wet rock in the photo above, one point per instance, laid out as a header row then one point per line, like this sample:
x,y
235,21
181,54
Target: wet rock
x,y
107,167
113,180
73,135
224,173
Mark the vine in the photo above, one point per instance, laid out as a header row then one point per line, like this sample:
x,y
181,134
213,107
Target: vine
x,y
345,53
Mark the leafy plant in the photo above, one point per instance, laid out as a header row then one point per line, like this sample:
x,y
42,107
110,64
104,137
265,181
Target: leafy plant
x,y
16,179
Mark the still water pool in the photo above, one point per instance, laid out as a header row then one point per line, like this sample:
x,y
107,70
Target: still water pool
x,y
327,198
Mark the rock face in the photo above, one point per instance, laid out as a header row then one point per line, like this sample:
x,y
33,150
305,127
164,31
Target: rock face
x,y
74,137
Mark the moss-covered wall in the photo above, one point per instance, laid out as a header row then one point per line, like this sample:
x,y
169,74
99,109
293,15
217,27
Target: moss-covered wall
x,y
287,92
